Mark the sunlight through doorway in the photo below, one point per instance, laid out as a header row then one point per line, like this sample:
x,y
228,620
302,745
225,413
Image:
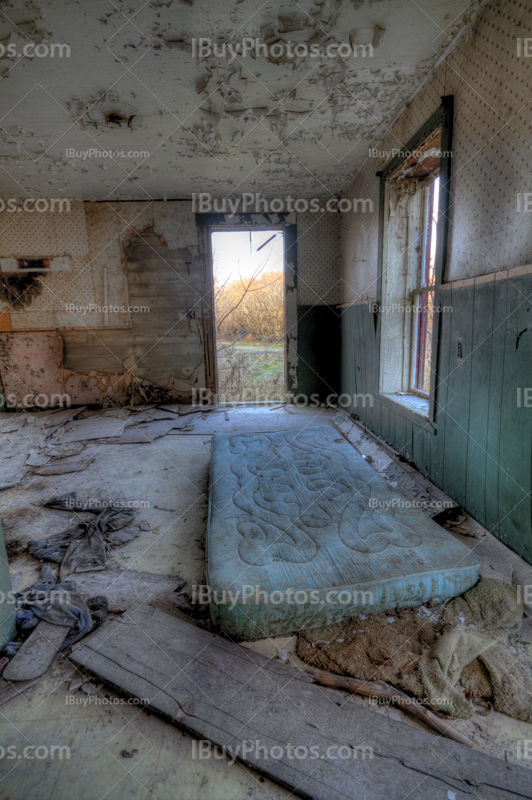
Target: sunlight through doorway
x,y
248,269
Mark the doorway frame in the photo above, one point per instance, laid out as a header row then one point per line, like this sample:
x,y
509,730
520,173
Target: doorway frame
x,y
207,223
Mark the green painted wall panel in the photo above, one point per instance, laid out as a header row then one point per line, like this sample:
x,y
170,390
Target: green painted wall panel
x,y
400,433
481,452
385,424
428,438
442,391
480,382
516,422
458,395
417,446
500,294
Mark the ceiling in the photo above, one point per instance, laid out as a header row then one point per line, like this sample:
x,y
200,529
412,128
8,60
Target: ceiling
x,y
260,122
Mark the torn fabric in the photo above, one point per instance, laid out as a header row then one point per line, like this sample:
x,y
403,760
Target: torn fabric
x,y
85,545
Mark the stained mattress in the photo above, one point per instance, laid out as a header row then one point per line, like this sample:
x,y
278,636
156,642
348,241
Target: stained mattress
x,y
303,533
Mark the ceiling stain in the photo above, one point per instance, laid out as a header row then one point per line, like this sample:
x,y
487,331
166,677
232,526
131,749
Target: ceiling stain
x,y
178,121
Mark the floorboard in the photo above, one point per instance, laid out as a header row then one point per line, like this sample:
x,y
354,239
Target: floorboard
x,y
234,697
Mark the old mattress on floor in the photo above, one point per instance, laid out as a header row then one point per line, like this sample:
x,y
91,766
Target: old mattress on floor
x,y
303,533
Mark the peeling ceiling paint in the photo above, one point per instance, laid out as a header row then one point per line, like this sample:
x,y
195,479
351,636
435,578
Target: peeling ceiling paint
x,y
226,123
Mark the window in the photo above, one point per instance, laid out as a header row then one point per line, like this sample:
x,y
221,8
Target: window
x,y
423,294
412,225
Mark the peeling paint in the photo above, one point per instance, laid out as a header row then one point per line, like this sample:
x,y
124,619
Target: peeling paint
x,y
263,124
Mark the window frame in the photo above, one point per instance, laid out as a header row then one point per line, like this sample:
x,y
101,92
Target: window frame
x,y
422,287
444,116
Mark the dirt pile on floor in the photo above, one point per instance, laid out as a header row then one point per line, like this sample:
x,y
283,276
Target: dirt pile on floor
x,y
454,656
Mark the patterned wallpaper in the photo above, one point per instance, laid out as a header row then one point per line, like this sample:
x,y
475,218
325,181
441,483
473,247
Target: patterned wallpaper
x,y
318,258
491,156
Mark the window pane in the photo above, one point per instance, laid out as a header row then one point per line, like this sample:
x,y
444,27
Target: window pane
x,y
424,324
428,275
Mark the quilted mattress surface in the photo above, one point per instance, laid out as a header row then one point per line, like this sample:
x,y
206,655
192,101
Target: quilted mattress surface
x,y
303,532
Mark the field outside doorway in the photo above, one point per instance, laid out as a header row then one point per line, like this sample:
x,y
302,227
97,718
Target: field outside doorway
x,y
249,304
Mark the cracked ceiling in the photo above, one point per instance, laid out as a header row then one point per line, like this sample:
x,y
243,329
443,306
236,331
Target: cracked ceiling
x,y
223,122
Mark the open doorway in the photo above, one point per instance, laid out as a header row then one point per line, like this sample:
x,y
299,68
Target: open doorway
x,y
249,302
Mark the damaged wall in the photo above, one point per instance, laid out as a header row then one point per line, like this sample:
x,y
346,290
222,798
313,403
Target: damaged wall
x,y
164,345
134,305
37,300
134,287
478,449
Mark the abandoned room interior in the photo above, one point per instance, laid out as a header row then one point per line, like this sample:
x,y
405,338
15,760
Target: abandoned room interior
x,y
266,399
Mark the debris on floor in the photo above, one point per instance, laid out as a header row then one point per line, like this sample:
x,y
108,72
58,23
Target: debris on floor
x,y
160,571
55,603
55,616
149,431
125,589
456,657
378,690
64,468
396,471
84,546
452,520
33,658
98,426
238,699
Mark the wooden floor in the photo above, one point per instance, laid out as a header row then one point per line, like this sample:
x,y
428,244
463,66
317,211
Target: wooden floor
x,y
269,717
172,474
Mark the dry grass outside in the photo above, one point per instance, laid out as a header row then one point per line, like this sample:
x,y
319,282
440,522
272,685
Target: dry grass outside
x,y
249,376
249,323
250,307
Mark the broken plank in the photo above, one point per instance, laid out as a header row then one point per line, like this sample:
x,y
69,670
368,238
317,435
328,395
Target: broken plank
x,y
37,652
198,410
151,415
149,431
63,469
260,711
93,428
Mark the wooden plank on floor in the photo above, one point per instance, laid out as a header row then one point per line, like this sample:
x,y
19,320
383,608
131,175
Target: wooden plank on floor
x,y
37,652
261,710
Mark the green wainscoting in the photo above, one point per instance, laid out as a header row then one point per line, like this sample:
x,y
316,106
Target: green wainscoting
x,y
480,452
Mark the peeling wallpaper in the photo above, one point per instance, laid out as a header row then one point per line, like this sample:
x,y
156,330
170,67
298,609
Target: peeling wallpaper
x,y
491,156
93,236
120,259
35,235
